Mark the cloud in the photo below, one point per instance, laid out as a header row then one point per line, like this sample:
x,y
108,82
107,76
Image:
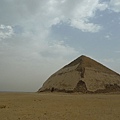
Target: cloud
x,y
43,14
118,51
5,32
84,26
77,13
32,22
115,5
80,14
108,60
58,48
108,36
40,15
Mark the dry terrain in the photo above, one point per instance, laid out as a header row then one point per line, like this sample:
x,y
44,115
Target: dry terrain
x,y
59,106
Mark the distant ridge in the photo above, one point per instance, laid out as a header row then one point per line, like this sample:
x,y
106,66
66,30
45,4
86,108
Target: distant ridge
x,y
83,75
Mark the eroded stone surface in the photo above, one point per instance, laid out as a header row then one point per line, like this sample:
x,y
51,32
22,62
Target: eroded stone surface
x,y
83,75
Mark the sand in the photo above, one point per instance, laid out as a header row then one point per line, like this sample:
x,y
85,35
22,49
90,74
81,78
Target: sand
x,y
59,106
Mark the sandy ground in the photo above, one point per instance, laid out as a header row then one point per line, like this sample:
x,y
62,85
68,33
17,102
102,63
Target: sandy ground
x,y
54,106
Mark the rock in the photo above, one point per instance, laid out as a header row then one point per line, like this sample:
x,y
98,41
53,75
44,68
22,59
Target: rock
x,y
2,106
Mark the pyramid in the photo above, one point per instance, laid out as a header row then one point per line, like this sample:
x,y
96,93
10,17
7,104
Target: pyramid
x,y
83,75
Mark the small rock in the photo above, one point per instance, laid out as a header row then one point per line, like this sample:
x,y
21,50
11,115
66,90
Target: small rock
x,y
2,106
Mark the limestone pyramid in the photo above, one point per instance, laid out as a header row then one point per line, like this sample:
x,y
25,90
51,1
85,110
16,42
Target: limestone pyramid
x,y
83,75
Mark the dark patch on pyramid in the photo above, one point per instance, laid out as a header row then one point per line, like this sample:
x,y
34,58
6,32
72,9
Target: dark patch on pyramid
x,y
83,75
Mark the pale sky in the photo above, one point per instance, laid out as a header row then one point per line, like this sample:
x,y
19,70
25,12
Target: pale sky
x,y
38,37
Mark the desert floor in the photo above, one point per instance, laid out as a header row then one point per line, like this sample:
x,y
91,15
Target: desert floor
x,y
59,106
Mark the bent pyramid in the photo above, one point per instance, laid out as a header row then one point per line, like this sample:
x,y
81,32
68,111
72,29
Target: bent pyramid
x,y
83,75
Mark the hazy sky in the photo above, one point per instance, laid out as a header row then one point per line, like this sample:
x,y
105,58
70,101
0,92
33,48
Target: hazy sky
x,y
38,37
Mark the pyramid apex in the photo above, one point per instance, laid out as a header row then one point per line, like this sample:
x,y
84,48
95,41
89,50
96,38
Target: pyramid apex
x,y
80,60
83,56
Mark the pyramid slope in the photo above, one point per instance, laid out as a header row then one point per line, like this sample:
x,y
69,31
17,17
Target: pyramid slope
x,y
83,75
84,61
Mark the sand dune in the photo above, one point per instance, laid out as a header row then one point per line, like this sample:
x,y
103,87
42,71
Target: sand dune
x,y
59,106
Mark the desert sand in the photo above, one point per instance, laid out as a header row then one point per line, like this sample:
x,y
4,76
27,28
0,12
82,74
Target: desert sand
x,y
59,106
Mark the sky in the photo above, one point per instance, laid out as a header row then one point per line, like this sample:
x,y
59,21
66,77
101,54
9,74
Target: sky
x,y
38,37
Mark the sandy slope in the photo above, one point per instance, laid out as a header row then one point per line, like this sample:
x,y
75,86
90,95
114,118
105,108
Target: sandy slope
x,y
54,106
